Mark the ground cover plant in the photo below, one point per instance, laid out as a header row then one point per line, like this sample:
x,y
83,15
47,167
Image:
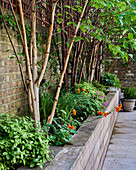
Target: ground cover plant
x,y
21,143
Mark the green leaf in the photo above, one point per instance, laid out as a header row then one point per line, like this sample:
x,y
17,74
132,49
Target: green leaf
x,y
49,125
59,30
131,55
87,39
82,27
69,23
102,22
59,20
130,36
67,6
74,24
7,50
19,62
11,57
59,14
32,164
76,39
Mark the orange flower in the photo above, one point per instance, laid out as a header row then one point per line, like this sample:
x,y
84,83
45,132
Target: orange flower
x,y
74,112
83,89
120,105
87,92
71,127
106,114
100,113
118,109
78,90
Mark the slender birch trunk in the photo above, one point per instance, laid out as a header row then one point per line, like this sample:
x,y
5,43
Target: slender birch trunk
x,y
35,74
31,84
90,63
48,44
94,62
77,61
50,118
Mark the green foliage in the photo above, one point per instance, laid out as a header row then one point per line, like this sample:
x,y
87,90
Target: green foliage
x,y
110,80
46,101
130,93
21,142
60,133
100,87
87,102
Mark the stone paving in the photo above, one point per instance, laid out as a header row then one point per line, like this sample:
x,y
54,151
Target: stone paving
x,y
121,153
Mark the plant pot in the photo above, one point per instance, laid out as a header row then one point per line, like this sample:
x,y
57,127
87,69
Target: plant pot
x,y
128,104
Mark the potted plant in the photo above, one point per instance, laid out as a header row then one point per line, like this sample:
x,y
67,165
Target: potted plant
x,y
128,102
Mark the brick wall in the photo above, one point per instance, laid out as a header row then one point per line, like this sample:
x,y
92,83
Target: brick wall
x,y
13,98
126,71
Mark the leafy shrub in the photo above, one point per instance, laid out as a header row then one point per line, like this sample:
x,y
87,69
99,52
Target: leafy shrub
x,y
87,102
130,93
46,103
21,142
110,80
100,87
60,132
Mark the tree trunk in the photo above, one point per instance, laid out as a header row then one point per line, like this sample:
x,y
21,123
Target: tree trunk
x,y
31,83
50,118
47,52
77,61
94,62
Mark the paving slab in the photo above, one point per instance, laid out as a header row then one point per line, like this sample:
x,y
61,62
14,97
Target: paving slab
x,y
121,153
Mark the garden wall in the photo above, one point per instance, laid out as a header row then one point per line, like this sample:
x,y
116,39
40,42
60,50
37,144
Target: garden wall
x,y
90,143
13,98
126,71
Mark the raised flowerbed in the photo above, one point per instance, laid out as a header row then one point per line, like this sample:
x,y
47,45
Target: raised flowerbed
x,y
89,144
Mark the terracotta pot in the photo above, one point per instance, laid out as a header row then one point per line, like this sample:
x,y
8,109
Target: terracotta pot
x,y
128,104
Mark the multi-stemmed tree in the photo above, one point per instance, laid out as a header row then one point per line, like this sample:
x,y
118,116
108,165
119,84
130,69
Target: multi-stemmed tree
x,y
78,31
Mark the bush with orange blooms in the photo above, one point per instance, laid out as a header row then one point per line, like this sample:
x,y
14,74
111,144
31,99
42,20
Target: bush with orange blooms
x,y
105,114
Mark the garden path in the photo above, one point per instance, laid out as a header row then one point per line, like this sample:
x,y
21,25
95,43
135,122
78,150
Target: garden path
x,y
121,153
